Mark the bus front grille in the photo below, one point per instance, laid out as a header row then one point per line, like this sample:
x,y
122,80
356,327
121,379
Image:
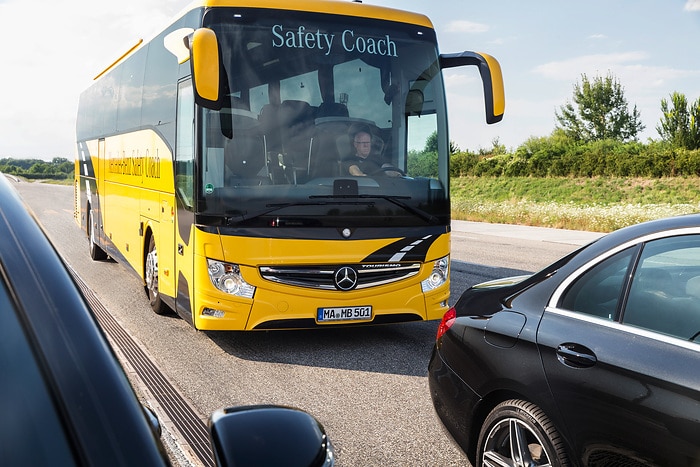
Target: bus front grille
x,y
340,277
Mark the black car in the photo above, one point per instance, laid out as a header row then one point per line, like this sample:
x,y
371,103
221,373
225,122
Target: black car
x,y
593,361
64,398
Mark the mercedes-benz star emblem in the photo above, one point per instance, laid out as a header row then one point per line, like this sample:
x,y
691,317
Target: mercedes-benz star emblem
x,y
345,278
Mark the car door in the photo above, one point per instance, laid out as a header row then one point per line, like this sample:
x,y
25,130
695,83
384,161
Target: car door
x,y
620,357
32,432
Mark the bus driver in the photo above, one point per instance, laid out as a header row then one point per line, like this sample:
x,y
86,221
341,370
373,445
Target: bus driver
x,y
364,162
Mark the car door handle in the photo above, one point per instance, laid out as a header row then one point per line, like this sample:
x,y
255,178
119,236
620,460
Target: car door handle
x,y
575,355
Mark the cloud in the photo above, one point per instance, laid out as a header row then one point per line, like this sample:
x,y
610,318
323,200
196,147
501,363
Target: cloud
x,y
55,59
629,68
467,26
589,64
644,85
597,36
692,5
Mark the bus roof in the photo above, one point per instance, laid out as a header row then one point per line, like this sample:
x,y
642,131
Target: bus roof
x,y
339,7
336,7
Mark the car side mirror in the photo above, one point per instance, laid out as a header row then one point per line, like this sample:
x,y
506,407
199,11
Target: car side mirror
x,y
153,421
269,435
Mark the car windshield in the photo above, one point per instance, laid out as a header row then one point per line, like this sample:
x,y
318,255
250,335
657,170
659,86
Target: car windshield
x,y
308,98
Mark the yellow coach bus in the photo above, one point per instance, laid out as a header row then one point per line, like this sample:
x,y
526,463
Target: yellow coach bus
x,y
260,164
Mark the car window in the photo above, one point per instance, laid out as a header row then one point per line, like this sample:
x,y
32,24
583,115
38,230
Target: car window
x,y
31,432
665,291
597,292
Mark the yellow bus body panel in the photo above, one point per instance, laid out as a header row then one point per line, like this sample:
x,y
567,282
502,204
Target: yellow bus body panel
x,y
277,302
138,195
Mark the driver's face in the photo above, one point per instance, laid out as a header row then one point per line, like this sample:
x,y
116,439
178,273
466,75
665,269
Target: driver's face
x,y
363,144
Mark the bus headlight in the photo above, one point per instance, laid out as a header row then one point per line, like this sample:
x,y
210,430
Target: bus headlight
x,y
227,278
439,275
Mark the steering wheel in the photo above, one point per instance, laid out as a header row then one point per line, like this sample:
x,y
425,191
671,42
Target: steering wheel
x,y
388,168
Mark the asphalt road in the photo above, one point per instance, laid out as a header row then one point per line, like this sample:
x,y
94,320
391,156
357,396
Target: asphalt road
x,y
367,386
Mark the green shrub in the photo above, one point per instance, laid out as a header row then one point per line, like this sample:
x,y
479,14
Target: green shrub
x,y
558,156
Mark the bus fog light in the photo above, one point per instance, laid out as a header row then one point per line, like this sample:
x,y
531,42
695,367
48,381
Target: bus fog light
x,y
438,276
227,278
213,313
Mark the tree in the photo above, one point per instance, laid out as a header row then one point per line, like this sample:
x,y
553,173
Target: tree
x,y
695,125
600,111
431,144
680,123
42,168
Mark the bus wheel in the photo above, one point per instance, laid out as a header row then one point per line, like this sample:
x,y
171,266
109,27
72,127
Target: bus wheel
x,y
152,279
96,253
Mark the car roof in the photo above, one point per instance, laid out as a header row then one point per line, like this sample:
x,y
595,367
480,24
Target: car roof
x,y
630,233
658,225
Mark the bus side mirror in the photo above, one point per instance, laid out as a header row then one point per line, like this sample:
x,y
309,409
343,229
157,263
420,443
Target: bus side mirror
x,y
205,66
490,70
269,435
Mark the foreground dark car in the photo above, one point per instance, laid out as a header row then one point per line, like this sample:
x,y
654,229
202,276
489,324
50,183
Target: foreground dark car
x,y
64,398
594,360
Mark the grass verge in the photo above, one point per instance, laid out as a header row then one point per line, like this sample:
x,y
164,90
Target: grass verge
x,y
591,204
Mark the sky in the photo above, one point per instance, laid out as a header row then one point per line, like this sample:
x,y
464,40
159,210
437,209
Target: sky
x,y
54,49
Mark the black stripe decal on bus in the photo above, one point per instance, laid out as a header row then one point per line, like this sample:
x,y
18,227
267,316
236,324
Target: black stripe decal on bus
x,y
406,249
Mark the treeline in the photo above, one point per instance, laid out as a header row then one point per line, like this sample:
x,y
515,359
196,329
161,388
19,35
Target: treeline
x,y
596,135
560,156
59,168
550,156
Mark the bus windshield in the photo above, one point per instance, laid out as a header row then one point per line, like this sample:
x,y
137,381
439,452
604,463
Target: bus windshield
x,y
326,122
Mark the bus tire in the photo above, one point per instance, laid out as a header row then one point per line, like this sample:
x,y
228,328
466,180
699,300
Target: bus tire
x,y
96,252
151,276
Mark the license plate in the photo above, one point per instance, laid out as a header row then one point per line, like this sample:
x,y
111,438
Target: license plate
x,y
345,313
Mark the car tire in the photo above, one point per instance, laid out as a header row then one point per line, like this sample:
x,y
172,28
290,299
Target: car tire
x,y
151,276
96,253
538,443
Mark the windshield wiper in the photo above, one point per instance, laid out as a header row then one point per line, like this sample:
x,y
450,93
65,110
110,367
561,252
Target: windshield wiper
x,y
397,200
230,220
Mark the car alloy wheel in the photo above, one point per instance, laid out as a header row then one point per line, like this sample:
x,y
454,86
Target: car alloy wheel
x,y
518,434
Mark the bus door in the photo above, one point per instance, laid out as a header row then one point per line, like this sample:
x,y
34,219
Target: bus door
x,y
184,194
100,175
